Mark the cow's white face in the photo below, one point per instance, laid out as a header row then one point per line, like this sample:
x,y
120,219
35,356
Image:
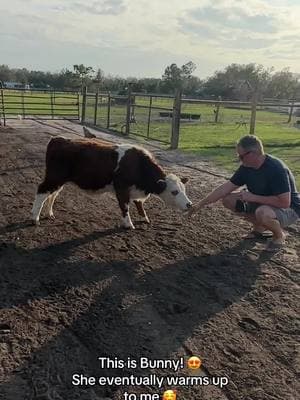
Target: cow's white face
x,y
174,193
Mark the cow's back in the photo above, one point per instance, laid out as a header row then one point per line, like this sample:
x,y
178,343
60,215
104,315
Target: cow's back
x,y
87,163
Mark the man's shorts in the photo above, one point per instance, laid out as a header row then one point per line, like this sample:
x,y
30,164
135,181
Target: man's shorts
x,y
285,216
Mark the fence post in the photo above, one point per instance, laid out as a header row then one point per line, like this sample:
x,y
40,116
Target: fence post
x,y
291,112
108,110
176,120
51,102
253,114
3,106
127,130
78,105
23,104
83,110
149,117
96,107
217,110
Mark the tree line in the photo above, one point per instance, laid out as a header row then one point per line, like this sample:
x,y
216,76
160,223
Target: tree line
x,y
235,82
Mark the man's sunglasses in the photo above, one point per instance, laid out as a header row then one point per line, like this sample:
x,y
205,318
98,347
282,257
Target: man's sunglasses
x,y
242,156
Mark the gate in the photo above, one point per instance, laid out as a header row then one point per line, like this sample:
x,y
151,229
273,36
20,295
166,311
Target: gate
x,y
149,116
45,104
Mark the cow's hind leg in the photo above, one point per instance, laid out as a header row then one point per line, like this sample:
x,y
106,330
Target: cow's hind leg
x,y
45,190
39,201
50,202
140,207
123,199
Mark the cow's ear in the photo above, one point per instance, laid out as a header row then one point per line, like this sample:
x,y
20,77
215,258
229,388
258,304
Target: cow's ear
x,y
184,180
162,184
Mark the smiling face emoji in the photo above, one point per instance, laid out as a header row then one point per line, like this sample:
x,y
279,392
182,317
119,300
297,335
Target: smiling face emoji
x,y
169,395
194,362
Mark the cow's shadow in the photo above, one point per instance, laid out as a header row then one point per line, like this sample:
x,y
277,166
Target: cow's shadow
x,y
121,309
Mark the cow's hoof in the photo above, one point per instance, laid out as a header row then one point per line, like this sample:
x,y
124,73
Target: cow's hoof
x,y
146,220
51,216
127,223
36,222
128,227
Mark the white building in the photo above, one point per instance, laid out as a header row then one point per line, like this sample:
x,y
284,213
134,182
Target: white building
x,y
15,85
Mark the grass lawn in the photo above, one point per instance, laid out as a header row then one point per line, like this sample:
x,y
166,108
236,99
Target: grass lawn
x,y
217,143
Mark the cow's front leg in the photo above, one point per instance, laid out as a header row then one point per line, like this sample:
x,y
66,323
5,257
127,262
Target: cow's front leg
x,y
140,207
123,199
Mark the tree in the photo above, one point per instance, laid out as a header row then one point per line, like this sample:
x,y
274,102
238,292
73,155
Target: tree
x,y
38,79
6,74
22,75
177,78
114,83
98,79
83,73
283,85
193,86
238,81
151,85
66,79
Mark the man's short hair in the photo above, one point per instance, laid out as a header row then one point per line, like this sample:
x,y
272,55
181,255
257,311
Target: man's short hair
x,y
251,143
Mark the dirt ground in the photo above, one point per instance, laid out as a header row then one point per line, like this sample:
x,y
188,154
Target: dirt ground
x,y
79,287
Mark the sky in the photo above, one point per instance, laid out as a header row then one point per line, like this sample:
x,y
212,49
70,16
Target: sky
x,y
139,38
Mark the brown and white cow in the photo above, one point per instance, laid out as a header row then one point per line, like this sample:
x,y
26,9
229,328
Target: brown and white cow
x,y
129,171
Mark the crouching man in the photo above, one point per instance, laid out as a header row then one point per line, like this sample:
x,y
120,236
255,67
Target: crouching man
x,y
271,201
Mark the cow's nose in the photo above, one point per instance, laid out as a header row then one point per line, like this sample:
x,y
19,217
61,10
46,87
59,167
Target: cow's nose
x,y
188,205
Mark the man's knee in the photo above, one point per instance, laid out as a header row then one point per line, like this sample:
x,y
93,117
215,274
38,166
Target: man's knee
x,y
264,214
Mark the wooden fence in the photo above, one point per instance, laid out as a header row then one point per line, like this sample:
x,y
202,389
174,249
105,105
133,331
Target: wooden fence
x,y
160,117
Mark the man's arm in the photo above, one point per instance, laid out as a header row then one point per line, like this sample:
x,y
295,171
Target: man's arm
x,y
282,200
219,193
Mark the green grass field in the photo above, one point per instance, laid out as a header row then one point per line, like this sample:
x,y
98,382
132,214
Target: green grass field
x,y
216,142
210,140
39,104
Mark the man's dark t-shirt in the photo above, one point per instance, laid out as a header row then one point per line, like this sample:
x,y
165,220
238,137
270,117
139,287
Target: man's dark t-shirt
x,y
271,179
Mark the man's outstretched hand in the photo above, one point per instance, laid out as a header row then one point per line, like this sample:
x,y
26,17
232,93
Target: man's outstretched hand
x,y
192,211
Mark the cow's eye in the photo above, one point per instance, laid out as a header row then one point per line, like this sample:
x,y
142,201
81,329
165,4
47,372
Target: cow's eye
x,y
175,192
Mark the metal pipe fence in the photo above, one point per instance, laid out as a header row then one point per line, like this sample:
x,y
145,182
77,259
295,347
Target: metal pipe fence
x,y
26,104
132,114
